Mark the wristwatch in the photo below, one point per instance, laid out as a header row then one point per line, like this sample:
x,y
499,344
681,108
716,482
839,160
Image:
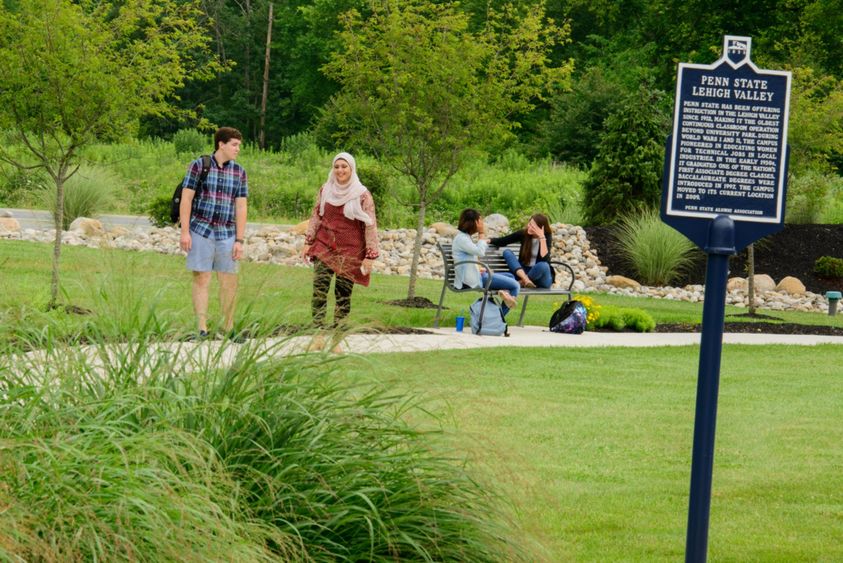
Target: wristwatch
x,y
240,240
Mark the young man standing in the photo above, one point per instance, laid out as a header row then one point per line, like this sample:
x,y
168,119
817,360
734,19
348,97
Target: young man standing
x,y
212,231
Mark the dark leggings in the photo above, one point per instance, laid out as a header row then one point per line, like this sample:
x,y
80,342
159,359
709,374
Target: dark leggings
x,y
322,275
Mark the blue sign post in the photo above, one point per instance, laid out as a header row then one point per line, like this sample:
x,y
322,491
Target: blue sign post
x,y
725,182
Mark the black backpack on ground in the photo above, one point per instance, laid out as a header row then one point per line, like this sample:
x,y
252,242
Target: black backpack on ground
x,y
570,318
175,204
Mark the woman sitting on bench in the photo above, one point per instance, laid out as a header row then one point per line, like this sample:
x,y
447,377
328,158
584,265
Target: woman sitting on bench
x,y
532,265
470,275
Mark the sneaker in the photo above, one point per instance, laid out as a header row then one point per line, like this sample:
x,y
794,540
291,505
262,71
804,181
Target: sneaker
x,y
236,337
201,335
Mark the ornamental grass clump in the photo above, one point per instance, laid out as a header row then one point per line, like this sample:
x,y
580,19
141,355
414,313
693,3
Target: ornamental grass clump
x,y
216,452
87,193
657,252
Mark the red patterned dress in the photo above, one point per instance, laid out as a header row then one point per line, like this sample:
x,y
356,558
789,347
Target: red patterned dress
x,y
342,243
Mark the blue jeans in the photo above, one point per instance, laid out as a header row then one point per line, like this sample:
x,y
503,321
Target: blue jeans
x,y
539,274
502,281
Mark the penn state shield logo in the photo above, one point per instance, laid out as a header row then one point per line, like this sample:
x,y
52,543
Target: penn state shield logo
x,y
736,49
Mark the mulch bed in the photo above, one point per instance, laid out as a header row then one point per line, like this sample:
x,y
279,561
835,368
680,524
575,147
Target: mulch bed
x,y
758,328
790,252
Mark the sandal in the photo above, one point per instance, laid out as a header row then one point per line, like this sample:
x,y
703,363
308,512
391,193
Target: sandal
x,y
527,283
508,299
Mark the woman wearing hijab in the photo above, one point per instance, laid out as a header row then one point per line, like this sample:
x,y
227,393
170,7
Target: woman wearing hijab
x,y
532,265
341,239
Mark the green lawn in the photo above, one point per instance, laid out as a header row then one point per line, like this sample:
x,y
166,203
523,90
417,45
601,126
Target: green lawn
x,y
593,446
105,281
590,446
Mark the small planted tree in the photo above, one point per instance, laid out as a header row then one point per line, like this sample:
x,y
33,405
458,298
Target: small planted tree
x,y
75,72
624,176
420,89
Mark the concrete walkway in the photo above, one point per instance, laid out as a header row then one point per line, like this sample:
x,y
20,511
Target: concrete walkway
x,y
534,336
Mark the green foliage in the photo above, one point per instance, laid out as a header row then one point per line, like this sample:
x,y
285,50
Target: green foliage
x,y
127,453
625,175
657,252
814,129
624,318
159,211
829,267
808,196
74,73
86,194
19,187
420,90
191,142
577,119
542,187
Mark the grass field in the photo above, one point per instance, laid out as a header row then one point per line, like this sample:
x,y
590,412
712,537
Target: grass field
x,y
590,447
106,281
593,446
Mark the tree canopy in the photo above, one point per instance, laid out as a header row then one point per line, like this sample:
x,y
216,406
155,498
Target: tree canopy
x,y
79,72
420,89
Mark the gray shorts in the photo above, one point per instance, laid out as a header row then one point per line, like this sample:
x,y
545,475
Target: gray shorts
x,y
209,255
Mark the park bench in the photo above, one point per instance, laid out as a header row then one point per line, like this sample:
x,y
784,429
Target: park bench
x,y
493,262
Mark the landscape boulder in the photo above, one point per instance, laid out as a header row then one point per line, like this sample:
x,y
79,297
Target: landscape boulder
x,y
9,225
444,229
763,282
791,285
736,284
622,282
496,223
299,229
86,226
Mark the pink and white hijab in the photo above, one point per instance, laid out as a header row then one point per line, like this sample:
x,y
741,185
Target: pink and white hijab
x,y
345,195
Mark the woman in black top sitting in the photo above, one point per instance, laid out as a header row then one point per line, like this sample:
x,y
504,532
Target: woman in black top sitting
x,y
532,265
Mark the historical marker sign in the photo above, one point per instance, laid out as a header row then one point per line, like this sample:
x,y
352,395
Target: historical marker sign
x,y
727,154
725,184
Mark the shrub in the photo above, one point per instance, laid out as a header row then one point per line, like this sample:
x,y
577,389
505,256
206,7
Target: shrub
x,y
575,124
625,175
86,194
17,186
624,318
656,252
191,141
125,452
829,267
808,197
159,211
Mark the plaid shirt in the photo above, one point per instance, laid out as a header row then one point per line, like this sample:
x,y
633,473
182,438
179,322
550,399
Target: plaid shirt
x,y
213,208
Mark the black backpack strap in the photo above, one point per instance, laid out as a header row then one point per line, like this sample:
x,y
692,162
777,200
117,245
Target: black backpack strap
x,y
206,167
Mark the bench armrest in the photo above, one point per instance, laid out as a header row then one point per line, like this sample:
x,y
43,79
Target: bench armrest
x,y
570,269
488,269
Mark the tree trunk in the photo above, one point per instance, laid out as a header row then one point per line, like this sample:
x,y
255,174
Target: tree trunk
x,y
262,138
411,289
750,277
59,219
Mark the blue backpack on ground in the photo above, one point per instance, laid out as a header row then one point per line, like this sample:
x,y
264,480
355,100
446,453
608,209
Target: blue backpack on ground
x,y
492,323
570,318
